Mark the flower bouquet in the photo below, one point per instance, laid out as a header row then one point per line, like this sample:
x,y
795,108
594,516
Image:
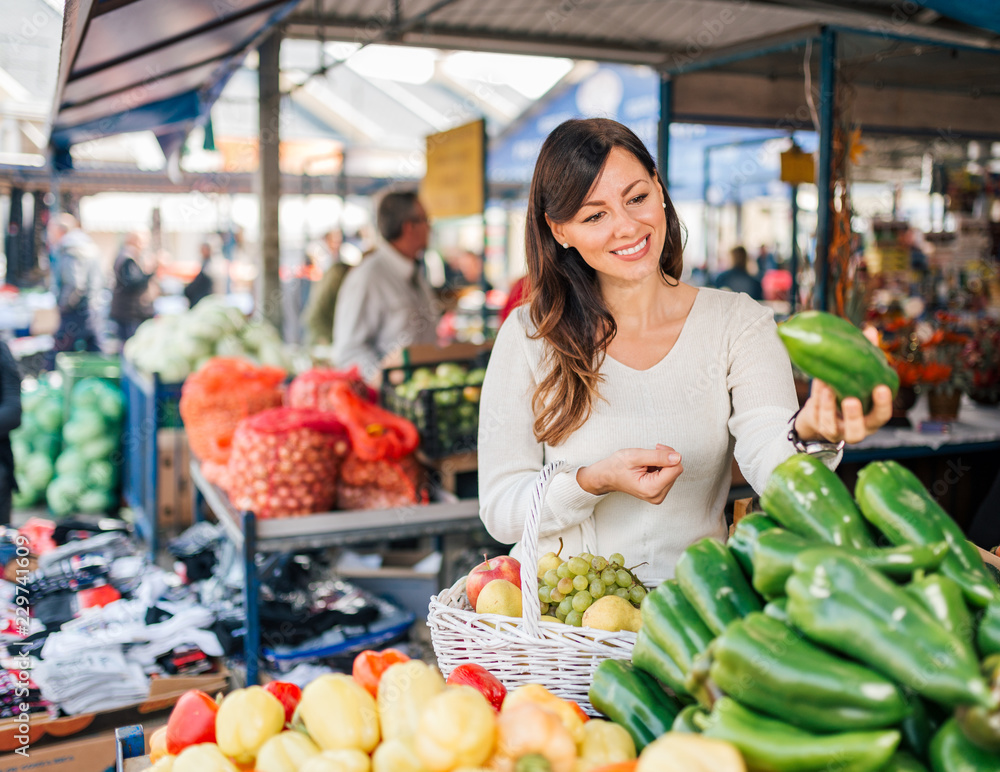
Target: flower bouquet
x,y
981,357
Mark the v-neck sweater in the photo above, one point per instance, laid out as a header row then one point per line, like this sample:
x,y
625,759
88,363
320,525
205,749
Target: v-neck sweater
x,y
724,389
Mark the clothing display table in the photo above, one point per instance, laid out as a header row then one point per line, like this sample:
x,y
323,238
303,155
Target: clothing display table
x,y
445,514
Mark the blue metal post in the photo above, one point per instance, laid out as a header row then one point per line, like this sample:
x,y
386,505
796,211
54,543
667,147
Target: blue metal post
x,y
251,589
129,744
148,500
827,97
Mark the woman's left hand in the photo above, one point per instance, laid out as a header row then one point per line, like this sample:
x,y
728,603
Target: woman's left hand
x,y
820,419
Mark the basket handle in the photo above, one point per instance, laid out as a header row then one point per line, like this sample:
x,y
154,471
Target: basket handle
x,y
531,610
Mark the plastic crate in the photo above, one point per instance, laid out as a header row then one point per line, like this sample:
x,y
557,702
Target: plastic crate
x,y
150,405
447,417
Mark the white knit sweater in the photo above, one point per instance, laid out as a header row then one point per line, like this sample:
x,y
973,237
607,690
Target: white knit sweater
x,y
724,388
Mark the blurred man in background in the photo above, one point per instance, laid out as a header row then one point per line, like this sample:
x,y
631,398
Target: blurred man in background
x,y
738,278
78,282
385,303
132,291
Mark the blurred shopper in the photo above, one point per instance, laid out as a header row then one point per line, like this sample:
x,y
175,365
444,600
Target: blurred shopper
x,y
203,284
132,293
317,318
738,278
79,282
386,304
10,419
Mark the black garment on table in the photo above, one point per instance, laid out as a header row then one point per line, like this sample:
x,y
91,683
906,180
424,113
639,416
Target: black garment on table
x,y
283,625
55,609
10,419
200,287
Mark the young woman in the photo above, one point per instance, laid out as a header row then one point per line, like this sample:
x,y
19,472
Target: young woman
x,y
646,386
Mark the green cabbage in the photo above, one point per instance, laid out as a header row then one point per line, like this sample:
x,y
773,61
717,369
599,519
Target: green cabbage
x,y
98,449
63,493
82,426
49,415
37,471
94,501
101,475
71,462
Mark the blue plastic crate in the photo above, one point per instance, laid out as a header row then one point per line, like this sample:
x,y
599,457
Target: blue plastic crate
x,y
150,405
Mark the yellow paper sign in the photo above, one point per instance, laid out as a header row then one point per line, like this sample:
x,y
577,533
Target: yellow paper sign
x,y
456,171
797,166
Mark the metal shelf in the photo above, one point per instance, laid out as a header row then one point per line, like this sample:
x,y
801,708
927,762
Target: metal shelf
x,y
445,514
328,529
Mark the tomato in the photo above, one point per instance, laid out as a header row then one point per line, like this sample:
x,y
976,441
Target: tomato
x,y
370,665
288,695
191,722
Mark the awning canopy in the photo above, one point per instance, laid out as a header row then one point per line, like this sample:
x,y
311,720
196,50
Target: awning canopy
x,y
148,65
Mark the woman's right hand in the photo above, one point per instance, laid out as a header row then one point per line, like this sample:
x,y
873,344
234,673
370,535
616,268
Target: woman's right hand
x,y
646,474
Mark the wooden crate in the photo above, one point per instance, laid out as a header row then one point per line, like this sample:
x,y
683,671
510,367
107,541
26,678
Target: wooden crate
x,y
174,506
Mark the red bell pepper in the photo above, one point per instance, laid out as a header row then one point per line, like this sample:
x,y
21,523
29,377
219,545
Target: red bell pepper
x,y
288,695
482,680
370,665
191,722
376,434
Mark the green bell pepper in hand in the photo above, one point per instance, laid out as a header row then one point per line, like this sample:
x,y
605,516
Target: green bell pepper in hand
x,y
988,636
714,584
769,745
902,761
769,667
846,606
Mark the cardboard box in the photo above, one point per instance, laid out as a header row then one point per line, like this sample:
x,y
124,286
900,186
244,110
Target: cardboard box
x,y
174,506
87,753
163,693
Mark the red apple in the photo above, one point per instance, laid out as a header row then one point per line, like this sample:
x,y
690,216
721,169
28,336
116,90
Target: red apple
x,y
502,567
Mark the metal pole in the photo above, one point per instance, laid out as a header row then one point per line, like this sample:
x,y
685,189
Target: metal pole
x,y
251,588
794,291
269,177
666,118
827,85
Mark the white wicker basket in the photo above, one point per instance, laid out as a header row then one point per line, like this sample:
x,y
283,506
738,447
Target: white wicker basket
x,y
560,657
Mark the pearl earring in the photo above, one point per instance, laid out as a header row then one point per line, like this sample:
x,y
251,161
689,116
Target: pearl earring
x,y
565,245
664,204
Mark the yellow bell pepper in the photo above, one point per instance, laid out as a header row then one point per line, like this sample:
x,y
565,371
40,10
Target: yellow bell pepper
x,y
458,728
339,714
539,695
403,693
204,757
343,760
163,764
285,752
532,737
396,756
604,742
681,752
247,719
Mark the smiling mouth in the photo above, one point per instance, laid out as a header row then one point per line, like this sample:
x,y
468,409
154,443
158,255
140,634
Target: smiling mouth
x,y
631,250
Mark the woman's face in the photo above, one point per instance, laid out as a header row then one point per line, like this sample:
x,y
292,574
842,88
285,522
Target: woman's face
x,y
620,229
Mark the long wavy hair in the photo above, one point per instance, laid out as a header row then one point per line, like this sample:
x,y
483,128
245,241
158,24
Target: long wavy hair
x,y
566,305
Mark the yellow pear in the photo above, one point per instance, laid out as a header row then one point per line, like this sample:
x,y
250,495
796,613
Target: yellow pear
x,y
550,618
499,597
612,613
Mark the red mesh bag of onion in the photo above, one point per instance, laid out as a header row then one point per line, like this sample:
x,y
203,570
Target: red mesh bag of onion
x,y
312,388
285,462
221,394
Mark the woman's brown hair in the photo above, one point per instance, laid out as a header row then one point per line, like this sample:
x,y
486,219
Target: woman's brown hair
x,y
566,305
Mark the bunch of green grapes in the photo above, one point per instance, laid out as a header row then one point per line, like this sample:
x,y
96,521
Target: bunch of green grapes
x,y
567,588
